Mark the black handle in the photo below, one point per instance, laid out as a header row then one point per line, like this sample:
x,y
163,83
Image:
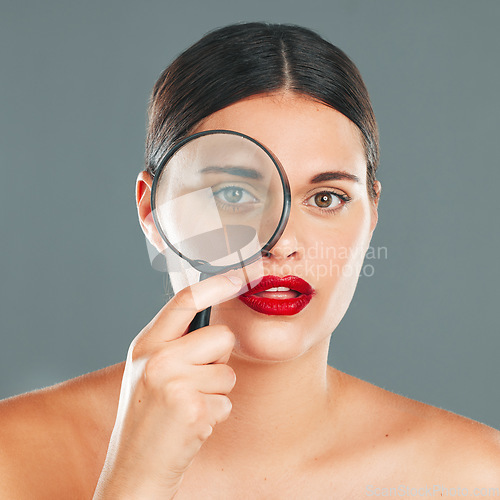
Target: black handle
x,y
203,317
200,320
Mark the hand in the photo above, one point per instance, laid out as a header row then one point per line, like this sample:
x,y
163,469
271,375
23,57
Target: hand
x,y
174,391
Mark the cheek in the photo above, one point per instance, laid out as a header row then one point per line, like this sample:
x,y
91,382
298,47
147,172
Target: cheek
x,y
334,249
331,258
349,243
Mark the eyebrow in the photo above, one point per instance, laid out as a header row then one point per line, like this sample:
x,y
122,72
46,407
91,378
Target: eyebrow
x,y
249,173
334,176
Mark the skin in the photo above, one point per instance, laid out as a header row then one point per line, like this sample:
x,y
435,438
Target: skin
x,y
280,362
298,428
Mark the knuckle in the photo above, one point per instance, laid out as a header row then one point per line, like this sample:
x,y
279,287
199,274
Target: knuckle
x,y
176,390
135,351
228,374
205,432
226,336
158,371
227,406
196,412
182,300
139,347
151,370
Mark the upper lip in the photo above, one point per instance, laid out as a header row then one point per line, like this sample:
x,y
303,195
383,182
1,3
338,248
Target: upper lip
x,y
292,282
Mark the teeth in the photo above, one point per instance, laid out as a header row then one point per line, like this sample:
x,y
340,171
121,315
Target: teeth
x,y
278,289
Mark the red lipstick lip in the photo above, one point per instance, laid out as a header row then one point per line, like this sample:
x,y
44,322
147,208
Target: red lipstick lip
x,y
292,282
282,307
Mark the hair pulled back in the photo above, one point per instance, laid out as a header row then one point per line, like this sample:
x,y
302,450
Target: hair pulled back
x,y
246,59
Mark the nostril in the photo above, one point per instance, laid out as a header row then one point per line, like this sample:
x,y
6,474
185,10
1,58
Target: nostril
x,y
280,253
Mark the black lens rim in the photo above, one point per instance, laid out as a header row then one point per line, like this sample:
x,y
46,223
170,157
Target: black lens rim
x,y
204,266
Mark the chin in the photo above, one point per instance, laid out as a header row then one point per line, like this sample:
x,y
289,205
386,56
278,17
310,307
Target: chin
x,y
269,338
270,346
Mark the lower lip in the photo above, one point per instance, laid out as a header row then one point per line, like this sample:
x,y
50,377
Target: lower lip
x,y
277,307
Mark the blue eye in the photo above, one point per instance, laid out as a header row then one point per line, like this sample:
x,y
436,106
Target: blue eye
x,y
234,198
234,194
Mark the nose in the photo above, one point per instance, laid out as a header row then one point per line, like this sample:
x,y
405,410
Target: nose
x,y
287,246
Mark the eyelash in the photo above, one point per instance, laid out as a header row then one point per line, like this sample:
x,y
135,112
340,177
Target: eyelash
x,y
342,196
233,207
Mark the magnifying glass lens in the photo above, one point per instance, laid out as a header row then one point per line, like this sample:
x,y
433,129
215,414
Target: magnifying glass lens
x,y
219,199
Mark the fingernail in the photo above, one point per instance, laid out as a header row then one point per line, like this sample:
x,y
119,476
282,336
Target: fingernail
x,y
235,280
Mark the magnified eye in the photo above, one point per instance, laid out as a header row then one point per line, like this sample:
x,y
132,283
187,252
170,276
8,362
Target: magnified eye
x,y
234,197
232,194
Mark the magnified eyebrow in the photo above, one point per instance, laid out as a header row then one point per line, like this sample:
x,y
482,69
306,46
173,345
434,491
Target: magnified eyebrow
x,y
334,176
249,173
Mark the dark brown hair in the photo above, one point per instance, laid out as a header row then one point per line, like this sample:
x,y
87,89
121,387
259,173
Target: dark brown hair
x,y
242,60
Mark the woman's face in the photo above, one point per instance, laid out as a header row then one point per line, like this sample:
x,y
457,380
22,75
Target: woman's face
x,y
329,229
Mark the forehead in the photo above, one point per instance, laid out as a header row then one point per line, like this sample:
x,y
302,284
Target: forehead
x,y
306,136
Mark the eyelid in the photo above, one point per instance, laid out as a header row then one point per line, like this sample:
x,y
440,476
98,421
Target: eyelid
x,y
343,197
223,188
249,188
234,207
333,189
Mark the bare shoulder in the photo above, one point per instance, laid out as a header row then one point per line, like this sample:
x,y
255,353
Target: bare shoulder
x,y
464,450
443,447
52,438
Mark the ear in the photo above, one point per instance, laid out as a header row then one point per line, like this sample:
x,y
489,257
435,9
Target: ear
x,y
143,189
374,212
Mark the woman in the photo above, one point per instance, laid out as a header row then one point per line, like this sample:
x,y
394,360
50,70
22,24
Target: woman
x,y
248,406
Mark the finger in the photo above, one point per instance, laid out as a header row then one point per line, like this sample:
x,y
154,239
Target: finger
x,y
214,378
173,319
210,344
219,406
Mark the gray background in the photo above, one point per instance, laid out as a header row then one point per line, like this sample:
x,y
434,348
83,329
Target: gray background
x,y
76,283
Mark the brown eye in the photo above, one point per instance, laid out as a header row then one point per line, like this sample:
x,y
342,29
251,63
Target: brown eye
x,y
328,201
323,200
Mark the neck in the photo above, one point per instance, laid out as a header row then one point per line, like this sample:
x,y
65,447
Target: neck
x,y
280,410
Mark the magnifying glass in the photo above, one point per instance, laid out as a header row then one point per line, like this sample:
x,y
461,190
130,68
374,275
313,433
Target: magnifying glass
x,y
220,200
